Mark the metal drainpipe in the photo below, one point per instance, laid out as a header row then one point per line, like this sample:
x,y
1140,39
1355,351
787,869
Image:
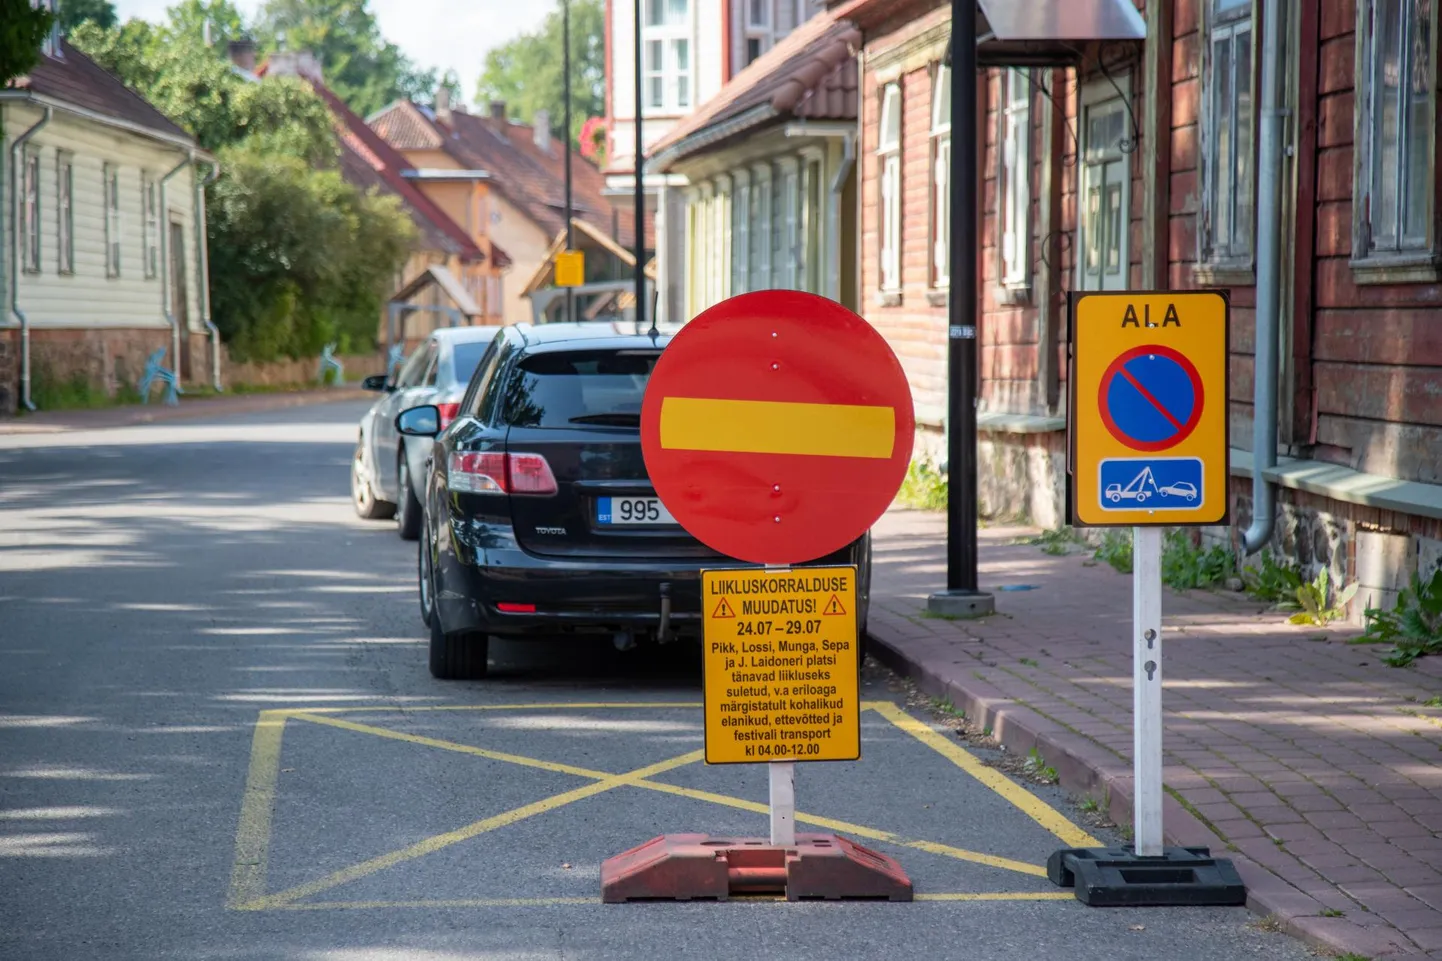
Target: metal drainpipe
x,y
162,217
202,256
833,216
1269,238
15,202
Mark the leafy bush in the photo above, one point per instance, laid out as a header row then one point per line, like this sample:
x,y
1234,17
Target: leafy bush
x,y
1312,601
1186,567
1413,627
1116,550
925,486
1274,581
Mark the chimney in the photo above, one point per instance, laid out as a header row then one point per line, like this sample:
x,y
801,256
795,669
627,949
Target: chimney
x,y
242,54
541,130
443,104
294,63
498,110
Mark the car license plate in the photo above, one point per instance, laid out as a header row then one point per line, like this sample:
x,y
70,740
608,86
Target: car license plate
x,y
614,511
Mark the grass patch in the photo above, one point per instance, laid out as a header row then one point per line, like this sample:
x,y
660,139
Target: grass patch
x,y
1273,581
925,487
1186,567
1116,550
1090,805
78,393
1317,604
1037,767
1331,913
1054,542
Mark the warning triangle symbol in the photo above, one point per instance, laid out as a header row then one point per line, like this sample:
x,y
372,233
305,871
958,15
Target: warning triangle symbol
x,y
833,606
723,610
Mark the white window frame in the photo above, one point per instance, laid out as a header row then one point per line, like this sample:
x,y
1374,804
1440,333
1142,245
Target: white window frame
x,y
673,40
1013,222
111,173
30,211
1226,229
1395,255
740,244
941,177
888,152
150,209
64,212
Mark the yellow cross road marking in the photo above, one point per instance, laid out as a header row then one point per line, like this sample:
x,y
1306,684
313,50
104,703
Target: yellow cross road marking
x,y
1028,803
773,427
254,830
252,836
432,844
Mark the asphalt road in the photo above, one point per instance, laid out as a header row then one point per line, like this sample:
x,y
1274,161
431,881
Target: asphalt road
x,y
162,588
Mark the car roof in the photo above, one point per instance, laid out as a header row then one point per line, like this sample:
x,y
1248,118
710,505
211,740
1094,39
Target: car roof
x,y
464,335
536,338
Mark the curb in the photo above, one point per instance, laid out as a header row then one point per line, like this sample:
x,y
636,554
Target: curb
x,y
1084,767
55,422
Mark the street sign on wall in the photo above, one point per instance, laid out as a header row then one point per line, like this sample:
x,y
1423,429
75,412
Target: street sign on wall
x,y
1149,398
777,427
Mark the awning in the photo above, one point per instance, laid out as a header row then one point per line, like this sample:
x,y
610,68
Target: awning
x,y
1051,32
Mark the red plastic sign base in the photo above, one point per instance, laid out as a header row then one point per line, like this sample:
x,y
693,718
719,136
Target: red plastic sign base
x,y
688,867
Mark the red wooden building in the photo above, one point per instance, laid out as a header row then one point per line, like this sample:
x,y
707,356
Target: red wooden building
x,y
1137,170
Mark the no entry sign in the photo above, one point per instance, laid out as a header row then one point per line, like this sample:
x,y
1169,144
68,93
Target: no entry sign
x,y
777,427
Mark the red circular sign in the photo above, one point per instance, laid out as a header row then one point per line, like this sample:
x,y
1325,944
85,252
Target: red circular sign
x,y
1151,398
777,427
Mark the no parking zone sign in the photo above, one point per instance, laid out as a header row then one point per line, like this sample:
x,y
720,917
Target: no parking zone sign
x,y
1149,409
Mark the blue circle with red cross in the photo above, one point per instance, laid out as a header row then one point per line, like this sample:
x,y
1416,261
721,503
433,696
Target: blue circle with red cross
x,y
1151,398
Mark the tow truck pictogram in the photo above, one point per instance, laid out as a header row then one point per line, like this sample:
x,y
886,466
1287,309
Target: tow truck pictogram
x,y
1136,489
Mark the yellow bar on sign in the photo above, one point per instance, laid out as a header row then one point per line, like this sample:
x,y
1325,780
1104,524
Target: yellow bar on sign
x,y
775,427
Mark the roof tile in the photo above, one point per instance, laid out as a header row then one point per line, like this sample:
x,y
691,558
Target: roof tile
x,y
76,79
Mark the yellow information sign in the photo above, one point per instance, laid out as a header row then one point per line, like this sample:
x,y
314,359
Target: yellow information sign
x,y
781,665
1149,408
570,268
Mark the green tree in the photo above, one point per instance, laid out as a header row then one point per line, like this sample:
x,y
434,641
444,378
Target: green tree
x,y
362,67
527,72
299,257
75,12
22,31
189,19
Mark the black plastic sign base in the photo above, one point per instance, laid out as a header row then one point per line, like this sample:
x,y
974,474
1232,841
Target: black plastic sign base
x,y
1118,877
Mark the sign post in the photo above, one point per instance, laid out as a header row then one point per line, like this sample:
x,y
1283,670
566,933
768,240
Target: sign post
x,y
776,427
1148,448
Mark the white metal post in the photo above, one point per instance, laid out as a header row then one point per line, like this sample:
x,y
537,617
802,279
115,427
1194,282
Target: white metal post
x,y
783,802
1147,688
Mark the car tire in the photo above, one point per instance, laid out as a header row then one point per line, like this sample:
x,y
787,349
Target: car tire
x,y
362,495
457,657
408,508
425,587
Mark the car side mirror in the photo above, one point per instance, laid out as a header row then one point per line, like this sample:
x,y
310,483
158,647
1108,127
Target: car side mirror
x,y
423,421
376,382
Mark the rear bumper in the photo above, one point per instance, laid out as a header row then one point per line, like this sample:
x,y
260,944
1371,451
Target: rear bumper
x,y
584,596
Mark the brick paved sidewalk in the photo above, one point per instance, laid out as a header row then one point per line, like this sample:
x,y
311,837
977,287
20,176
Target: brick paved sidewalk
x,y
49,422
1316,767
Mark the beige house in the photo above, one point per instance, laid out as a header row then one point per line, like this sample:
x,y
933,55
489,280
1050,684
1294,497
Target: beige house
x,y
104,235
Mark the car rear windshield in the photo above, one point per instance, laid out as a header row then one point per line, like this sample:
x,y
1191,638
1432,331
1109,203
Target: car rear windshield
x,y
465,357
600,388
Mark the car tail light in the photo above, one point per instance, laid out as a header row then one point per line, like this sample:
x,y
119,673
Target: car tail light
x,y
506,607
448,413
496,473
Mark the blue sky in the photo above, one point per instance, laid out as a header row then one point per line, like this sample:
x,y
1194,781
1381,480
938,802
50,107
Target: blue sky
x,y
434,33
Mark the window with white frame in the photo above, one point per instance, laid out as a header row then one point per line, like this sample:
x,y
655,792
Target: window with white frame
x,y
888,150
151,241
667,73
1396,113
1226,224
112,220
65,212
765,22
1014,186
941,177
30,211
741,233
